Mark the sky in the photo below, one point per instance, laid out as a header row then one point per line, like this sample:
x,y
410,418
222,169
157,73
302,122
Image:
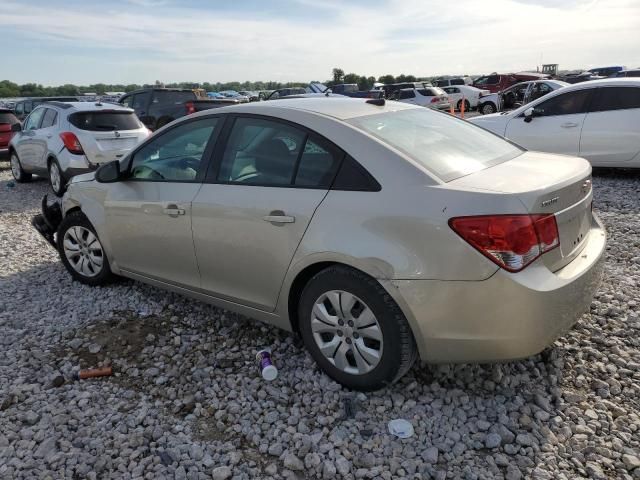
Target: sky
x,y
53,42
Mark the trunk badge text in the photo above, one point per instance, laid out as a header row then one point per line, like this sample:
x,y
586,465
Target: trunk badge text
x,y
551,201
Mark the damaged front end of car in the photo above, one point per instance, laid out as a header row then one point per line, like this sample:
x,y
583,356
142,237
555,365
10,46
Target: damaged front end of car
x,y
47,222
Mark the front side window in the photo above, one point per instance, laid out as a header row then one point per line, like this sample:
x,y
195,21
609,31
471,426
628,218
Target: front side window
x,y
565,104
33,121
457,81
176,155
447,147
404,94
49,119
616,98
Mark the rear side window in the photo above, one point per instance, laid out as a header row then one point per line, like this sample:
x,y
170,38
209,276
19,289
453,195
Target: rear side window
x,y
317,165
565,104
140,100
49,119
447,147
406,94
616,98
6,117
457,81
170,97
105,121
353,177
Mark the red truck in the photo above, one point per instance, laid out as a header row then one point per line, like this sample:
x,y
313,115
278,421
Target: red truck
x,y
496,82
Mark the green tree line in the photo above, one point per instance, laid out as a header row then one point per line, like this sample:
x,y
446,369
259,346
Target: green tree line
x,y
11,89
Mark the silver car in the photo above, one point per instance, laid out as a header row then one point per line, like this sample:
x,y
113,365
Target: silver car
x,y
378,231
63,139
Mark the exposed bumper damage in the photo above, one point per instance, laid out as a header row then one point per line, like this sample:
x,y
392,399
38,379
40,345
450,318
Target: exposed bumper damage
x,y
47,222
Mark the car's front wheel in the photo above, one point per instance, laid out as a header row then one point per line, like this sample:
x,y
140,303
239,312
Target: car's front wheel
x,y
488,108
17,171
82,252
56,179
354,330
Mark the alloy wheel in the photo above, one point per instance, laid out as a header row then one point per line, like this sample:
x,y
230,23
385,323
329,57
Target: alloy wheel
x,y
55,177
16,170
83,250
347,332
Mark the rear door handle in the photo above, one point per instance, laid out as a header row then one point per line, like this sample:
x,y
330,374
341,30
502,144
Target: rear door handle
x,y
278,216
173,210
569,125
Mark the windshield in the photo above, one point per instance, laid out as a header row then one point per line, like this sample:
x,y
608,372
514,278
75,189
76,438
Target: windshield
x,y
447,147
105,121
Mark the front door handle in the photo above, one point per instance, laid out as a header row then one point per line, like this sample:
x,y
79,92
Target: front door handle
x,y
174,211
278,216
569,125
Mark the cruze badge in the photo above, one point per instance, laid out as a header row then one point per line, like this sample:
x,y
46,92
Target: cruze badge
x,y
117,134
551,201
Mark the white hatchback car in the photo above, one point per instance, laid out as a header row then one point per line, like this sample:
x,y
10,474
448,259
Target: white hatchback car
x,y
64,139
597,120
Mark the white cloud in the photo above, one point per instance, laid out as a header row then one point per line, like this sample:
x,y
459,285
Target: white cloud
x,y
407,36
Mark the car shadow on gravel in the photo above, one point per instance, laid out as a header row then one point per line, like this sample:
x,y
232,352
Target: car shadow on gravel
x,y
21,197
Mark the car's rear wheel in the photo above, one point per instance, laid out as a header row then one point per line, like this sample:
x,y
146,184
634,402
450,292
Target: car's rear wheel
x,y
488,108
17,171
56,179
82,252
467,105
354,330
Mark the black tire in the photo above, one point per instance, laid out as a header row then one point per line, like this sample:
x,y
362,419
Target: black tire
x,y
19,175
62,185
103,275
399,349
467,105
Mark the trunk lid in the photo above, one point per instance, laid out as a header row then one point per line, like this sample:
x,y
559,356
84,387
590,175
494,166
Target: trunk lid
x,y
102,147
545,183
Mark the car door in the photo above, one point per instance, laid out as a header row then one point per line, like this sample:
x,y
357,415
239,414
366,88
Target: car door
x,y
25,146
611,132
252,212
140,105
148,215
454,93
556,123
42,137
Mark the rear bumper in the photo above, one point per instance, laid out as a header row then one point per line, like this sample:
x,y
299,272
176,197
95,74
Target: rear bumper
x,y
4,152
46,224
505,317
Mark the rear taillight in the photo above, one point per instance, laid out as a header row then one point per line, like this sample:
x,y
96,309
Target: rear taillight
x,y
435,99
71,143
510,241
190,108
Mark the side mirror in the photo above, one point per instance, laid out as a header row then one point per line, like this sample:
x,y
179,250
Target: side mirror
x,y
109,172
528,114
16,127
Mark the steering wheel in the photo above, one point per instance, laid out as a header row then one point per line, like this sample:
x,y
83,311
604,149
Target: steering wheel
x,y
246,176
189,162
155,173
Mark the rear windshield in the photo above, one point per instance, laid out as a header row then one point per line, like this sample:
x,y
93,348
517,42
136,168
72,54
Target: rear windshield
x,y
6,117
432,91
447,147
105,121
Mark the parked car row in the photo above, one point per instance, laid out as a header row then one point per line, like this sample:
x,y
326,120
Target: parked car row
x,y
517,95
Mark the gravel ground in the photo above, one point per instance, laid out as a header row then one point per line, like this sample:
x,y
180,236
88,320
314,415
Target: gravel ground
x,y
186,400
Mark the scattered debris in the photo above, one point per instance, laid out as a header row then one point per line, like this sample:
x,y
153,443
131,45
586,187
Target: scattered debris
x,y
349,408
95,372
401,428
267,369
11,184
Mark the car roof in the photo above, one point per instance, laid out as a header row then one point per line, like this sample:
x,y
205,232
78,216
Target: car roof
x,y
605,82
341,108
86,106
